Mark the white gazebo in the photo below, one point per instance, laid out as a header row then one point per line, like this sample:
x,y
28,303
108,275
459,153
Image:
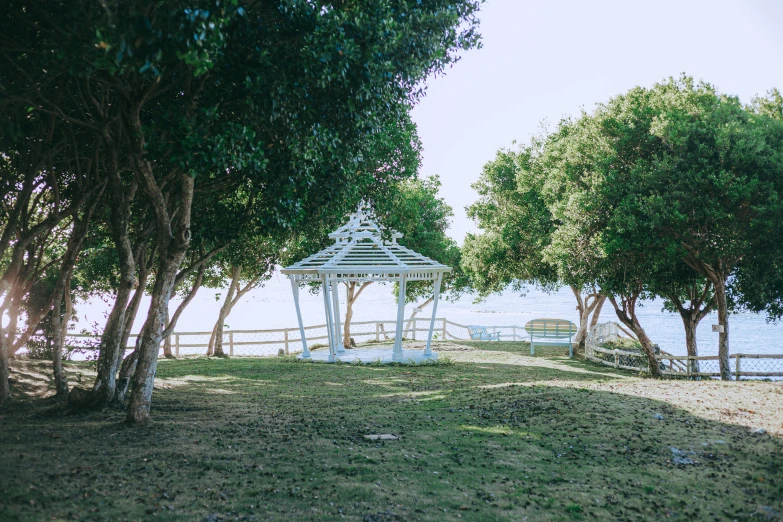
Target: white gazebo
x,y
359,254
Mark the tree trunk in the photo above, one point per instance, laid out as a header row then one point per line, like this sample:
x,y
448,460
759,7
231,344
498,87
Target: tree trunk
x,y
211,345
690,325
599,305
133,309
351,296
627,315
236,273
167,353
5,372
349,299
60,380
723,337
127,369
411,320
111,348
146,366
585,308
173,236
62,290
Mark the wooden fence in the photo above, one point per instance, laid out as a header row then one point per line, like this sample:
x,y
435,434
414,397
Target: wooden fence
x,y
269,342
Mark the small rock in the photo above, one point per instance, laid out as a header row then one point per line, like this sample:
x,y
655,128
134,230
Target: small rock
x,y
384,436
680,453
280,352
657,416
679,458
759,431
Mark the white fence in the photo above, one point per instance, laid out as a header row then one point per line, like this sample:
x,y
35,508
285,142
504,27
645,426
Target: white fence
x,y
270,342
742,365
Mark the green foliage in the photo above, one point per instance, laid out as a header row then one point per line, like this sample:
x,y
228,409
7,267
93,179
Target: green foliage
x,y
413,208
516,221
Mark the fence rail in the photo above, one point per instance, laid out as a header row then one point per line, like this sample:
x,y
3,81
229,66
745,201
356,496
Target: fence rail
x,y
268,342
741,364
240,343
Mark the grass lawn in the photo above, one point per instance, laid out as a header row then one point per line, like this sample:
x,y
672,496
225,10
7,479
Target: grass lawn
x,y
489,434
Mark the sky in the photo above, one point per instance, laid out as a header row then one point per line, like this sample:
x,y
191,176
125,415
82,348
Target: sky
x,y
542,61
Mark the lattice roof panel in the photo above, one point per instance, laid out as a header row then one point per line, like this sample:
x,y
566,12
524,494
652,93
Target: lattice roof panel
x,y
360,254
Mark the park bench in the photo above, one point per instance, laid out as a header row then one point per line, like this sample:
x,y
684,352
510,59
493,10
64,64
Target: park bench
x,y
480,333
551,332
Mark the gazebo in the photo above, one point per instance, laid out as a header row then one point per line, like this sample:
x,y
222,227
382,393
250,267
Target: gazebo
x,y
359,254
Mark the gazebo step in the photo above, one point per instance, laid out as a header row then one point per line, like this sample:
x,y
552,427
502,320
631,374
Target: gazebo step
x,y
374,355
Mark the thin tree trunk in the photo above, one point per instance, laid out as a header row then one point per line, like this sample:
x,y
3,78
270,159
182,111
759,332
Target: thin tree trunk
x,y
60,380
211,345
127,369
236,273
411,320
585,308
133,309
351,296
599,305
173,243
349,299
723,337
5,372
62,291
692,316
690,342
111,348
167,353
627,315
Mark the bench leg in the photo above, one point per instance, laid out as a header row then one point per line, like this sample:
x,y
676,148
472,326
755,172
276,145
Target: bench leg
x,y
532,346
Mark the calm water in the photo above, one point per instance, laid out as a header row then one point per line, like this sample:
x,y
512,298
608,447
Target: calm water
x,y
272,307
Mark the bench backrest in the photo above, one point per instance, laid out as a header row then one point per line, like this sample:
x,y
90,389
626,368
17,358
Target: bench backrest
x,y
478,333
550,328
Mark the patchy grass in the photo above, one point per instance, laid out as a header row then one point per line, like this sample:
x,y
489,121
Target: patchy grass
x,y
494,435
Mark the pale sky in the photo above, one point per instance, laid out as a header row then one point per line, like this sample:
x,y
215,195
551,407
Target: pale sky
x,y
545,60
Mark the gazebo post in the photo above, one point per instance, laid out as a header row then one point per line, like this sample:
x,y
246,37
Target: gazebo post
x,y
428,349
295,290
328,310
338,336
397,350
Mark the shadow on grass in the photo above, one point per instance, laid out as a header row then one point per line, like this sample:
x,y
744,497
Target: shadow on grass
x,y
285,441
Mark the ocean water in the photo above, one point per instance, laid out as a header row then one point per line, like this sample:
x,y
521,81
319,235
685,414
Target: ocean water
x,y
272,306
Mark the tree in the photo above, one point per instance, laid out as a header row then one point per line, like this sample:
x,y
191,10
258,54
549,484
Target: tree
x,y
516,216
758,282
246,264
203,95
711,193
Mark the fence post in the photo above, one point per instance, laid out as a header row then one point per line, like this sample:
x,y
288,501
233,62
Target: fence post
x,y
176,344
514,333
414,328
616,360
377,332
444,328
738,356
286,341
231,343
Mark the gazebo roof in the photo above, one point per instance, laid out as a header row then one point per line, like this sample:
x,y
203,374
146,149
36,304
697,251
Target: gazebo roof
x,y
360,254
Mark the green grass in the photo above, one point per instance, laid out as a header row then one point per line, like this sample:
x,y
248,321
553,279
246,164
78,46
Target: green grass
x,y
270,439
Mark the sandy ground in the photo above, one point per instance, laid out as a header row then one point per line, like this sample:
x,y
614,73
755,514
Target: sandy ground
x,y
754,404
